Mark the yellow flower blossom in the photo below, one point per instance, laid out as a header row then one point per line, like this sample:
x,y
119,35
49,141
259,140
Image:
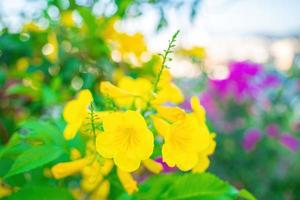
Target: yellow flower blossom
x,y
52,52
75,112
167,91
129,184
22,64
93,174
139,92
62,170
203,162
126,139
67,18
187,139
153,166
197,52
102,191
32,27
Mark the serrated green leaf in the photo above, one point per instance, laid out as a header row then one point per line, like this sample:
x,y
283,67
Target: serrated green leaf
x,y
33,158
41,193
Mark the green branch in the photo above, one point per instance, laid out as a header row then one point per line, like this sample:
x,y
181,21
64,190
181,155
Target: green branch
x,y
165,57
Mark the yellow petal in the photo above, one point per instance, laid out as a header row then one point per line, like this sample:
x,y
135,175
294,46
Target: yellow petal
x,y
107,167
108,89
126,164
65,169
129,184
89,183
153,166
67,18
102,192
171,114
162,127
85,98
198,109
71,130
105,144
202,165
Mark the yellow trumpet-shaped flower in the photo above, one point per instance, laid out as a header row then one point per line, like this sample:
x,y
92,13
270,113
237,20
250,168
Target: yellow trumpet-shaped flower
x,y
67,18
102,191
126,139
94,173
129,91
129,184
167,91
187,139
75,112
65,169
203,161
153,166
139,92
112,91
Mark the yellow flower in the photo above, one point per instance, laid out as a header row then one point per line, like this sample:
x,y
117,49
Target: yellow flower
x,y
102,191
126,139
153,166
129,184
139,92
65,169
32,27
94,173
197,52
67,18
203,161
75,112
184,142
112,91
52,48
187,139
167,91
22,64
140,89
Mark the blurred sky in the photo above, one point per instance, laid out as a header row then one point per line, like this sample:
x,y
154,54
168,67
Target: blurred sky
x,y
228,29
273,17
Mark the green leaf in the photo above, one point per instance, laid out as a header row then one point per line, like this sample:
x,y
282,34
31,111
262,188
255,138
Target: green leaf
x,y
41,193
246,195
186,187
44,131
33,158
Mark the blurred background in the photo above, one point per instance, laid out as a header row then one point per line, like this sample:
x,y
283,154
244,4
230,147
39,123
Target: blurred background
x,y
241,57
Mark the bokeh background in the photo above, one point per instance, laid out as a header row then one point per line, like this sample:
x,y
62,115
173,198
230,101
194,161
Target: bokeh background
x,y
241,57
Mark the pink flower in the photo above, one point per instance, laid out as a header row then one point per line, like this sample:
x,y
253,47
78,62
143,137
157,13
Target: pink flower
x,y
290,142
273,130
252,136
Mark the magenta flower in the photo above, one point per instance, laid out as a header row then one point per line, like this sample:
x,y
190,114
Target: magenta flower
x,y
273,130
251,137
290,142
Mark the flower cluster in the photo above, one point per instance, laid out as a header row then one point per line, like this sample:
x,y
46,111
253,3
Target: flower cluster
x,y
139,117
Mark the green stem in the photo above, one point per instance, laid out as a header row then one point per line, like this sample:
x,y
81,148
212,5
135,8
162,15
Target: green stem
x,y
165,59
